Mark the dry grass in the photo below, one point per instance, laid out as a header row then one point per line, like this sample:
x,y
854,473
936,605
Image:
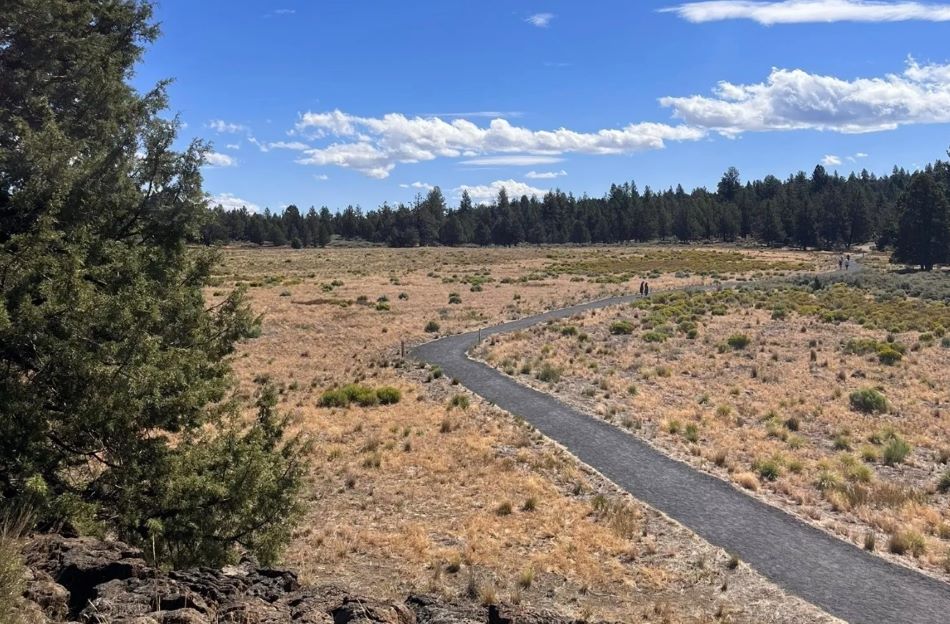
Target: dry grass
x,y
806,412
440,492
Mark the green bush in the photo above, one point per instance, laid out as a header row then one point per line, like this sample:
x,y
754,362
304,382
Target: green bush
x,y
654,336
549,373
738,341
460,401
896,450
432,327
769,469
388,395
334,398
621,328
889,356
364,396
868,401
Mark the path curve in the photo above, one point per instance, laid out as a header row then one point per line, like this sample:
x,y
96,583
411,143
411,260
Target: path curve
x,y
839,577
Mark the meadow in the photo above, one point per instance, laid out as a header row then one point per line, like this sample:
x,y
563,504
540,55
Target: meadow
x,y
825,397
417,484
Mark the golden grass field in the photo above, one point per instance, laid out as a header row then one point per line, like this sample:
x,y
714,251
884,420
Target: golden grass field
x,y
443,493
775,416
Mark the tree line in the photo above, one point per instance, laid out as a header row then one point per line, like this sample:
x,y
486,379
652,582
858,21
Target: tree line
x,y
821,210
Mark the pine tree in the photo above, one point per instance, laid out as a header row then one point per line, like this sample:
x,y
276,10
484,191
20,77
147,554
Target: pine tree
x,y
923,236
108,350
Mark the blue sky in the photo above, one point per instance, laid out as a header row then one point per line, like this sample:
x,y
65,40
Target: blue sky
x,y
349,102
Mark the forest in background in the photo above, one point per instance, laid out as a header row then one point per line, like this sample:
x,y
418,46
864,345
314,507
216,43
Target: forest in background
x,y
822,210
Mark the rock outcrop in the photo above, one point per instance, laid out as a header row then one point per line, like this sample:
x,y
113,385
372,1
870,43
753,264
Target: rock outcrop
x,y
92,581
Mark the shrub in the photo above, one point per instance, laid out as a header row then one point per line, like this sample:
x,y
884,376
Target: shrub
x,y
504,509
432,327
738,341
364,396
530,504
460,401
654,336
549,373
621,327
334,398
896,450
868,401
943,485
388,395
455,298
11,573
526,578
769,469
908,541
691,433
889,356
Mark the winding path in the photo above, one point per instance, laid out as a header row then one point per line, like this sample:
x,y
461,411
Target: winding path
x,y
840,578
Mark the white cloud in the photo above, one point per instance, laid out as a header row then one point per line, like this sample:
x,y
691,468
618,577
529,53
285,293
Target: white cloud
x,y
810,11
541,20
860,155
830,160
219,125
289,145
418,185
229,201
375,145
544,175
486,193
797,100
857,156
215,159
322,177
515,160
233,146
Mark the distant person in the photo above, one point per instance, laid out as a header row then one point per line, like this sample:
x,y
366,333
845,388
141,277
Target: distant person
x,y
641,288
840,262
646,288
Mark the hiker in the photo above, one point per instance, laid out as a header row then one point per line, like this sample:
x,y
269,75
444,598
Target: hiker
x,y
840,262
646,289
641,288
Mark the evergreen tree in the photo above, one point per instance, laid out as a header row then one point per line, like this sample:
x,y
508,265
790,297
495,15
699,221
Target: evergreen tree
x,y
108,350
923,236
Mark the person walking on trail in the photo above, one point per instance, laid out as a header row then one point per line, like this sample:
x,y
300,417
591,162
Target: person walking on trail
x,y
646,289
840,262
641,288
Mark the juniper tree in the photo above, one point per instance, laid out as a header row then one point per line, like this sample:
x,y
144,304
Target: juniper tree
x,y
115,389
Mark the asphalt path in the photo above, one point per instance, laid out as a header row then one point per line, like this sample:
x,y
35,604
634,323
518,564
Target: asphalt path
x,y
837,576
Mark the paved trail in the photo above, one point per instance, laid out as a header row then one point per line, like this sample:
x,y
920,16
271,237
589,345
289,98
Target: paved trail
x,y
832,574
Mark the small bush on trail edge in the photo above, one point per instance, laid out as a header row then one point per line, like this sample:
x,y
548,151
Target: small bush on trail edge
x,y
618,328
769,470
455,298
738,341
364,396
549,373
432,327
904,542
868,401
460,401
